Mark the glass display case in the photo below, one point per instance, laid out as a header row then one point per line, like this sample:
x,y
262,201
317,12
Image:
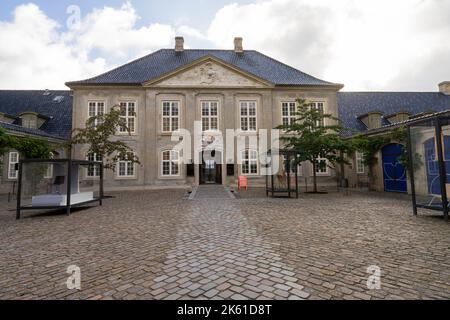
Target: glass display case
x,y
284,181
429,158
58,184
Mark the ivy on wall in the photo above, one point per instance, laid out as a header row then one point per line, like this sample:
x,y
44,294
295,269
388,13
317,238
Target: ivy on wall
x,y
29,148
371,145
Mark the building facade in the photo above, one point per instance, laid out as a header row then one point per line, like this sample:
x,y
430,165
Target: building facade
x,y
378,114
171,92
44,115
219,90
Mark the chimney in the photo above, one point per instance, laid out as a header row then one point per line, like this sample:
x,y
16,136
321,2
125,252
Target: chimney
x,y
179,44
444,88
238,48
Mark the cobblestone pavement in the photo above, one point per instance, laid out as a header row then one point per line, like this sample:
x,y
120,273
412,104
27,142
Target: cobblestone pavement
x,y
155,245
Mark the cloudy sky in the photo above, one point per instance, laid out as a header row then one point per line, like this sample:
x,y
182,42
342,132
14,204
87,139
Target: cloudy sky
x,y
388,45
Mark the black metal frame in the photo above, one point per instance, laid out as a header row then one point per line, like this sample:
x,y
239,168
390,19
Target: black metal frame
x,y
274,192
68,206
437,122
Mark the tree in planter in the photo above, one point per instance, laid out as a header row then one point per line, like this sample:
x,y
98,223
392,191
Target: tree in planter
x,y
313,135
99,134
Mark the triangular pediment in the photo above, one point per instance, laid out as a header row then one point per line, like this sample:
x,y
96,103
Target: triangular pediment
x,y
208,72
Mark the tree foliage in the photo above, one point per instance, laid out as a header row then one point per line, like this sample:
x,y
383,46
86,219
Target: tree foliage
x,y
314,134
29,148
32,148
98,135
369,147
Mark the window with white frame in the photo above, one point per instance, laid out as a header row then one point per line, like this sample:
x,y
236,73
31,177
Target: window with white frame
x,y
126,167
49,171
96,108
288,110
93,171
170,116
128,115
210,115
320,107
359,163
170,163
13,160
322,166
248,115
249,162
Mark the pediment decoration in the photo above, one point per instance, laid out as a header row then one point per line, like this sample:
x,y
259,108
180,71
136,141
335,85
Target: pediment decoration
x,y
209,73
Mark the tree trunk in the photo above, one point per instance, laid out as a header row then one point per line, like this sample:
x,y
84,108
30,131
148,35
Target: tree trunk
x,y
314,177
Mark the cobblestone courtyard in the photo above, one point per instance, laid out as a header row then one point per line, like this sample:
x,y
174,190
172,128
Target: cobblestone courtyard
x,y
159,245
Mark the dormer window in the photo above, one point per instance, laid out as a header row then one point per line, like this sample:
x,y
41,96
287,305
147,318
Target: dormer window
x,y
29,120
398,117
372,120
7,118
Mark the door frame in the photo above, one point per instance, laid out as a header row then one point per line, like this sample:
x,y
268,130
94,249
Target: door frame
x,y
218,179
395,180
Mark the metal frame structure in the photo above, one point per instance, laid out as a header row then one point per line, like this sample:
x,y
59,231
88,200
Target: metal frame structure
x,y
438,123
68,206
272,190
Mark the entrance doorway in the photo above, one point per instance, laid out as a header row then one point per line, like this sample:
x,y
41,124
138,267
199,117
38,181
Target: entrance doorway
x,y
394,172
211,168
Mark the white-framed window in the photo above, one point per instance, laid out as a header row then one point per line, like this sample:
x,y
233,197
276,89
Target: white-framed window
x,y
210,116
288,110
93,171
96,108
322,166
359,163
248,115
49,171
129,115
320,107
170,163
13,160
126,167
170,116
249,162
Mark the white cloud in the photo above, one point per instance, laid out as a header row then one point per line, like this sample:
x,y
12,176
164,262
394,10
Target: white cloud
x,y
364,44
113,32
32,54
39,55
185,30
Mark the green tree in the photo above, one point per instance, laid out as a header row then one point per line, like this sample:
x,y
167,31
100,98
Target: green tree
x,y
98,135
314,134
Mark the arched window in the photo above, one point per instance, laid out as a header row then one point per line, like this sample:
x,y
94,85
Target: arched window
x,y
170,163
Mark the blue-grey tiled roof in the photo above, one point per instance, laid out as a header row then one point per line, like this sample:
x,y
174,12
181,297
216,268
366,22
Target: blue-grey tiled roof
x,y
34,132
351,105
165,61
58,111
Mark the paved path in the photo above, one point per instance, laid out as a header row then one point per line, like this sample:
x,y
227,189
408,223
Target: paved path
x,y
227,258
155,245
211,192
